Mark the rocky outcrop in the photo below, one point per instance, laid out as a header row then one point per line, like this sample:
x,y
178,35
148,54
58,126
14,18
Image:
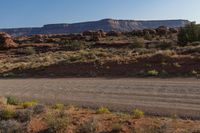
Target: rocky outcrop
x,y
105,24
6,41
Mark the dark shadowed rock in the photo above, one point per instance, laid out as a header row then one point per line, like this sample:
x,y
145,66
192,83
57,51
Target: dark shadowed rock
x,y
173,30
113,33
162,30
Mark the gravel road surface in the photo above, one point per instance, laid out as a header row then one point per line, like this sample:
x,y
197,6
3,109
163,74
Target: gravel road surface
x,y
165,97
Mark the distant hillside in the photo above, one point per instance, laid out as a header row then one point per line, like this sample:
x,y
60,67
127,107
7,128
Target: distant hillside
x,y
105,24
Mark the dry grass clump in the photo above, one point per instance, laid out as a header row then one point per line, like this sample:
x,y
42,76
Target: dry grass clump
x,y
28,104
102,110
152,73
58,106
137,113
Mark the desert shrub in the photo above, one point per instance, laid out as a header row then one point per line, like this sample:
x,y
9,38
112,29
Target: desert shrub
x,y
56,123
11,126
58,106
102,110
152,73
137,43
88,127
39,108
188,34
23,115
137,113
72,45
13,101
27,51
165,45
7,113
29,104
148,36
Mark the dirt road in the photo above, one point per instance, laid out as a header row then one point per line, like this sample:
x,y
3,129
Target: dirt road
x,y
154,96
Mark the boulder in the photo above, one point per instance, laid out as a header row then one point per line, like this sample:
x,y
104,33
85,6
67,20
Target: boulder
x,y
88,33
137,33
6,41
162,30
173,30
149,31
113,33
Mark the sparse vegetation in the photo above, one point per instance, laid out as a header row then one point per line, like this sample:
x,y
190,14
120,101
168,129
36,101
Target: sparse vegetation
x,y
29,104
58,106
152,73
26,51
7,113
138,113
11,126
15,119
56,123
102,110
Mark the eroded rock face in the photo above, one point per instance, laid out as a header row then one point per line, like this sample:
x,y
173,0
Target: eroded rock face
x,y
6,41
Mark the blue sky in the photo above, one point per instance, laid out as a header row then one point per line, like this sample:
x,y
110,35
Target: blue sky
x,y
24,13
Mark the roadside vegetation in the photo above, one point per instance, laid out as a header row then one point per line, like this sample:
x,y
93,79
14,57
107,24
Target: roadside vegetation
x,y
60,118
164,52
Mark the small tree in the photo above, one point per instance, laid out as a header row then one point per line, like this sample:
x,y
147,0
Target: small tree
x,y
189,33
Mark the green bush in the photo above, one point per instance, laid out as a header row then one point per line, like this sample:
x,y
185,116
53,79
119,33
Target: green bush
x,y
188,34
13,101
